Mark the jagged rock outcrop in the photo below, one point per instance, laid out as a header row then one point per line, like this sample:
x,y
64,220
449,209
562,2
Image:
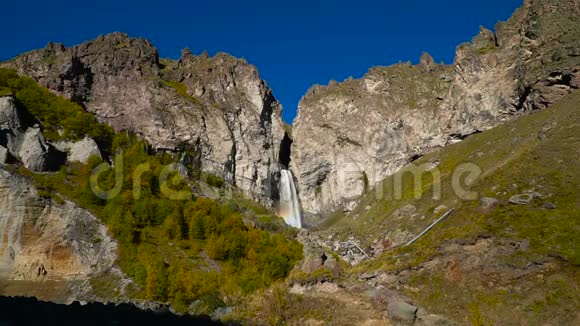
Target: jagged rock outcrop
x,y
348,136
351,135
42,240
216,109
20,141
79,151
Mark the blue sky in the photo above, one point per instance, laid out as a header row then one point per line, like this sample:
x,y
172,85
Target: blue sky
x,y
294,44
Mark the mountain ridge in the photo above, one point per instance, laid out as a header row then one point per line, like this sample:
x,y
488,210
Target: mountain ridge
x,y
210,106
400,112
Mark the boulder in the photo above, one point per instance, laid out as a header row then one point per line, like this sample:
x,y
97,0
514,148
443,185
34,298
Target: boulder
x,y
440,210
79,151
312,260
9,118
522,199
402,312
33,150
548,205
488,204
19,140
405,211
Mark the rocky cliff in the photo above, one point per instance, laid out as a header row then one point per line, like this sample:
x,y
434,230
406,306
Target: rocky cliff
x,y
348,136
45,240
218,109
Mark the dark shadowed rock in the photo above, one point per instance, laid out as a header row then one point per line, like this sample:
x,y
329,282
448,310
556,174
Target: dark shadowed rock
x,y
548,205
19,139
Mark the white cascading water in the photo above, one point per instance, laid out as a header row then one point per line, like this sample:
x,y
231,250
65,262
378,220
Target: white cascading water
x,y
289,206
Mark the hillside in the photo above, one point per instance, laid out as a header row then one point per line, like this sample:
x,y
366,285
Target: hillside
x,y
508,253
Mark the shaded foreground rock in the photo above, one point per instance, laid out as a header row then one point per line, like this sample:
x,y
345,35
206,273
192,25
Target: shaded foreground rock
x,y
17,311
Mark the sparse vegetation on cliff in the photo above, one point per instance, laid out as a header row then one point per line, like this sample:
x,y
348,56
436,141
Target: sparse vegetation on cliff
x,y
181,251
60,119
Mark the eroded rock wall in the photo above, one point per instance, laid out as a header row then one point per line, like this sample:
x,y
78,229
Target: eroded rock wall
x,y
42,240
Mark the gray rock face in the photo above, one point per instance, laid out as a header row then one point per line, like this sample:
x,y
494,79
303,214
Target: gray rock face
x,y
3,155
33,150
348,136
25,143
9,118
44,240
79,151
218,109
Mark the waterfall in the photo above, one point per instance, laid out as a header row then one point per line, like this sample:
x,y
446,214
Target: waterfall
x,y
289,206
181,167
